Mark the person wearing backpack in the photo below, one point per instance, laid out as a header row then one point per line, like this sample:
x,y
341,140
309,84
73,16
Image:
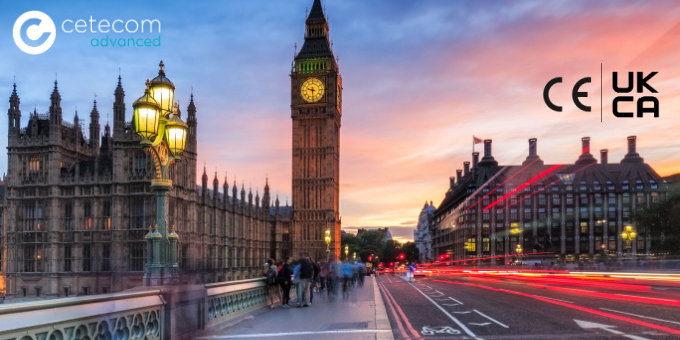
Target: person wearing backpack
x,y
284,279
270,278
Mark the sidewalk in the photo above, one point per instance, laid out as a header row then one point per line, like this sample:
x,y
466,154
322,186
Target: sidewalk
x,y
363,316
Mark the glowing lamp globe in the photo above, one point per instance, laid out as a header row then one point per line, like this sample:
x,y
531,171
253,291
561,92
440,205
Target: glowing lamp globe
x,y
146,115
176,134
163,91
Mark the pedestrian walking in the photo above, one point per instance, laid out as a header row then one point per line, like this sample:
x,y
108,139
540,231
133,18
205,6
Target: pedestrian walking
x,y
284,278
306,273
270,278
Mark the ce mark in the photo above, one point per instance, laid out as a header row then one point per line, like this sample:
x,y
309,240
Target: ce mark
x,y
575,94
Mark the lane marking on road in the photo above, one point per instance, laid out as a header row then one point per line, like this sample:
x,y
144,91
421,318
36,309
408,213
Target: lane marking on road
x,y
401,312
465,329
608,328
394,312
641,316
479,324
267,335
388,279
492,319
573,306
468,312
545,297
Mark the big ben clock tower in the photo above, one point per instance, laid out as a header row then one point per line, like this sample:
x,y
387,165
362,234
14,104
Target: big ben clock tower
x,y
316,110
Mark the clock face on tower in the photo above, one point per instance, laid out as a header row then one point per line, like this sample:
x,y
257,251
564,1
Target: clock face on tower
x,y
312,90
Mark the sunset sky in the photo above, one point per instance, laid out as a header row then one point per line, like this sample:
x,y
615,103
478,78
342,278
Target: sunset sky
x,y
420,79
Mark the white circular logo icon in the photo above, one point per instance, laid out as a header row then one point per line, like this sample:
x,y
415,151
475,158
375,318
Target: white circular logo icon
x,y
34,32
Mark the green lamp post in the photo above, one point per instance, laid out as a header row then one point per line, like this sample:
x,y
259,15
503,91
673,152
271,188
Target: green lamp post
x,y
164,135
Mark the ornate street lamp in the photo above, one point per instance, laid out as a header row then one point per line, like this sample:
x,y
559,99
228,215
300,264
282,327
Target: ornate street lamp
x,y
328,244
518,251
628,235
346,251
164,135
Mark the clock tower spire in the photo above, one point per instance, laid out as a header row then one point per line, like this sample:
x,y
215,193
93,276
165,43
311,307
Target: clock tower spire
x,y
316,111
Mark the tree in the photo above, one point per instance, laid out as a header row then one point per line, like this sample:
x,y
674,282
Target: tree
x,y
390,251
660,223
411,251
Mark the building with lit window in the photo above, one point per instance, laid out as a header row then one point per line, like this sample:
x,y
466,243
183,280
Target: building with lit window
x,y
422,235
573,211
75,209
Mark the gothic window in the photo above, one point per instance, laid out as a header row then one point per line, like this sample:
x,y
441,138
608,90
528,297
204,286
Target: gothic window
x,y
32,216
68,216
32,258
611,198
513,214
569,199
638,185
527,214
106,257
485,244
136,262
33,166
87,257
139,211
583,199
570,214
555,213
640,198
655,199
106,213
584,213
541,214
68,254
87,216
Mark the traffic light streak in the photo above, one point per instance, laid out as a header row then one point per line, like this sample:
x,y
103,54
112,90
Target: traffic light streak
x,y
564,304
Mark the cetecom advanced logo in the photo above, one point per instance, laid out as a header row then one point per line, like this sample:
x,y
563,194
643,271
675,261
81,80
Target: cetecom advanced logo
x,y
34,32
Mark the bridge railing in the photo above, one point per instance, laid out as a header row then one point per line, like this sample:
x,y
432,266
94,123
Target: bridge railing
x,y
168,312
127,315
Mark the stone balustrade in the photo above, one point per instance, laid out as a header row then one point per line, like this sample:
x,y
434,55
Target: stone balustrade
x,y
168,312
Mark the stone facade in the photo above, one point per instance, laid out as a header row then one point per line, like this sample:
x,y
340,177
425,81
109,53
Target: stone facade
x,y
422,236
75,208
316,111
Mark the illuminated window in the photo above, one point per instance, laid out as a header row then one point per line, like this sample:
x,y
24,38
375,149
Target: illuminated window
x,y
33,165
471,245
106,213
655,197
485,244
87,215
584,227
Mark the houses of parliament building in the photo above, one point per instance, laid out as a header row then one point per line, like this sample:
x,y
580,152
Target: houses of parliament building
x,y
76,203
